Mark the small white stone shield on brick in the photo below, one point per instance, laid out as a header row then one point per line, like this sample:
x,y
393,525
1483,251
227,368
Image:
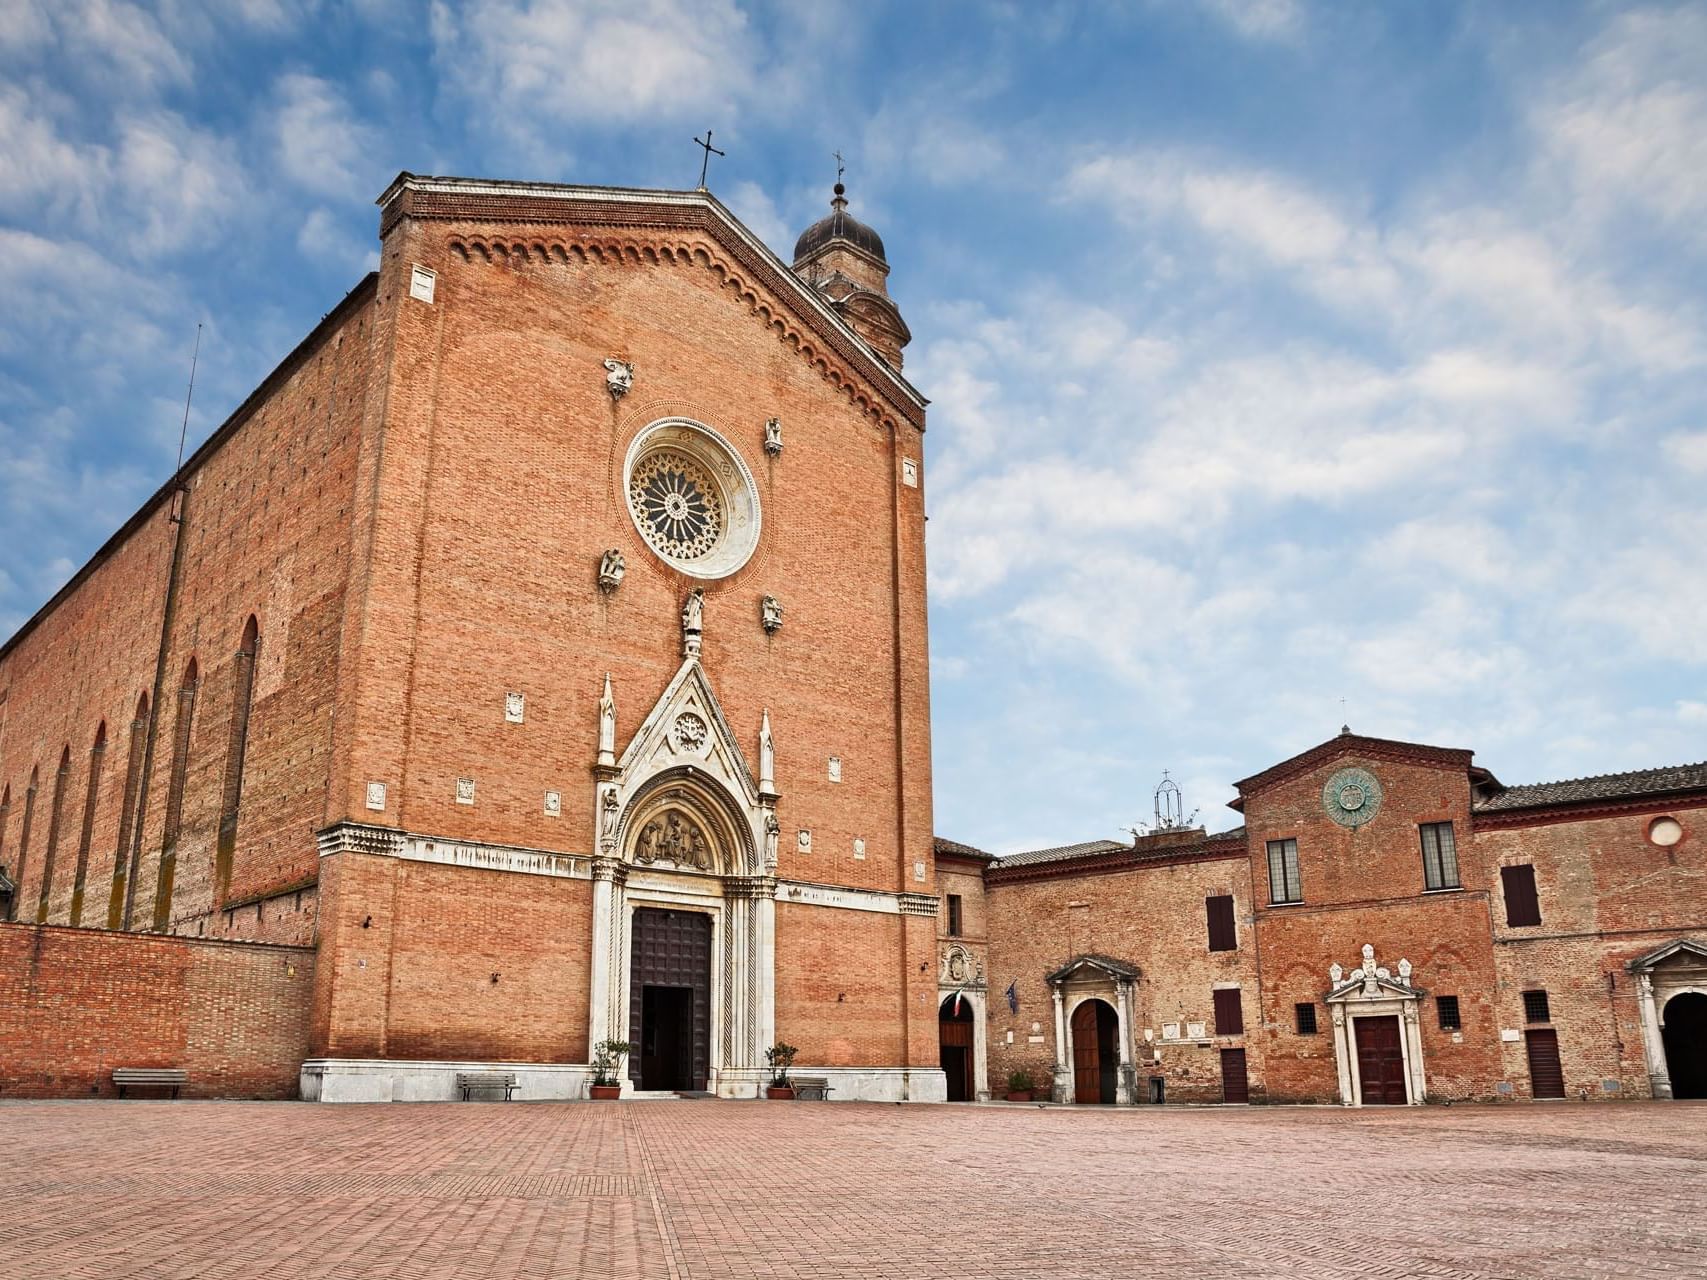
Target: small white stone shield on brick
x,y
859,846
918,871
465,790
835,768
376,795
553,805
514,705
803,841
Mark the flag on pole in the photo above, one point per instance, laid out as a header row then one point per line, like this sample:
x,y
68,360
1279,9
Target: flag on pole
x,y
1013,996
957,1004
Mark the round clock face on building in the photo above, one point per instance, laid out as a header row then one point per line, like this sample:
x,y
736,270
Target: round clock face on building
x,y
692,498
1352,797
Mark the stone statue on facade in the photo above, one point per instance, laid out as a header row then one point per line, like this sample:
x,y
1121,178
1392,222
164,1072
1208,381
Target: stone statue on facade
x,y
773,832
612,567
619,377
770,615
611,809
773,436
693,624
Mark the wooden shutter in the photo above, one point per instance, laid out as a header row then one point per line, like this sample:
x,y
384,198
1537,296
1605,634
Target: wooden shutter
x,y
1546,1075
1223,933
1229,1012
1522,907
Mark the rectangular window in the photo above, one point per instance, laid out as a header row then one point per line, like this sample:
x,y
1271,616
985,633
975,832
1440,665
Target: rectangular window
x,y
1229,1012
1223,934
1306,1014
1522,907
1440,856
954,920
1283,885
1447,1008
1535,1007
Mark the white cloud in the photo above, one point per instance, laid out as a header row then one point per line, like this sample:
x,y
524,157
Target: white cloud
x,y
138,54
749,202
319,144
179,181
544,63
1687,449
1281,20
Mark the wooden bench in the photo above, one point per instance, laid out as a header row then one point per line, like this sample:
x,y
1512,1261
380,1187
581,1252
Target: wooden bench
x,y
164,1077
468,1080
811,1088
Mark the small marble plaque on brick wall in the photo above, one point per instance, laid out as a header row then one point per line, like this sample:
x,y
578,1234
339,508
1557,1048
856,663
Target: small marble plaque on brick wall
x,y
553,804
514,705
465,790
376,795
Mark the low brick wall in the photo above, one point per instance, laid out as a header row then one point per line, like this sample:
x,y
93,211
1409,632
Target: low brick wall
x,y
75,1003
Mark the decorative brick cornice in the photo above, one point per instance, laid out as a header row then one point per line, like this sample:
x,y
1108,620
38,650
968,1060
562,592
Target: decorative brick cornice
x,y
631,220
917,904
1352,744
359,837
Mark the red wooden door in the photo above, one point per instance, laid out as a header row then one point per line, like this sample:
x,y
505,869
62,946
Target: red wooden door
x,y
1380,1063
1546,1075
1087,1062
1234,1084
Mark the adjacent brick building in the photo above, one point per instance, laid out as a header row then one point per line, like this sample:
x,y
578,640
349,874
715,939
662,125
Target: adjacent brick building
x,y
543,643
1391,924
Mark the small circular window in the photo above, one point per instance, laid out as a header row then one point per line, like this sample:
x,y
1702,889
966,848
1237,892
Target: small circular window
x,y
692,498
1665,831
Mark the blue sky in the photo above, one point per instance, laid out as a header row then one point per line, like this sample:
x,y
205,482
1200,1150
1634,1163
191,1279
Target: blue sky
x,y
1281,353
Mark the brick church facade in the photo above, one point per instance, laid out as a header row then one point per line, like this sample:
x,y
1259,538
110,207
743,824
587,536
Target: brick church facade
x,y
538,659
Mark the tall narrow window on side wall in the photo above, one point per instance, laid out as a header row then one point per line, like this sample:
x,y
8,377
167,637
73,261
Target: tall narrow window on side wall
x,y
5,817
955,922
1522,906
1229,1012
97,754
54,814
1440,856
1447,1008
242,695
174,817
127,813
1283,882
1223,933
24,839
1306,1018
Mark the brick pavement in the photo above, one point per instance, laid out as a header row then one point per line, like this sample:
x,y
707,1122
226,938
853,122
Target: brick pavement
x,y
729,1189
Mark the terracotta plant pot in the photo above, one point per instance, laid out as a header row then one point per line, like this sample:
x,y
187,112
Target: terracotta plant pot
x,y
604,1091
779,1091
1022,1095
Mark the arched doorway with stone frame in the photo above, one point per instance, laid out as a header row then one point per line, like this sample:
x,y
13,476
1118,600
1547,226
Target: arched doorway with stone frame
x,y
1094,1044
1671,987
684,897
963,1024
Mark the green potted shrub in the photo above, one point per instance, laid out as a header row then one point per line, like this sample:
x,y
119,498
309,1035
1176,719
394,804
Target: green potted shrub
x,y
607,1058
781,1058
1020,1086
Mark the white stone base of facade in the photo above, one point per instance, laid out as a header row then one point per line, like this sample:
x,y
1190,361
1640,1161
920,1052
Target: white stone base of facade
x,y
382,1080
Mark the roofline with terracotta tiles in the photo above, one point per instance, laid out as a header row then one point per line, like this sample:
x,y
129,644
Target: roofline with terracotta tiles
x,y
1124,859
361,293
478,200
1556,811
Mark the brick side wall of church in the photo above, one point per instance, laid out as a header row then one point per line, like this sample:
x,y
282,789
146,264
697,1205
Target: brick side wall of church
x,y
840,986
438,962
1151,917
80,1002
268,518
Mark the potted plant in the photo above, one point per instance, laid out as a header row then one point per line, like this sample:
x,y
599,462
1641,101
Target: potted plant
x,y
607,1057
781,1058
1020,1086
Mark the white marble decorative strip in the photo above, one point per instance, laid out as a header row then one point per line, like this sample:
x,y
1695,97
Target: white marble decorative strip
x,y
829,895
490,857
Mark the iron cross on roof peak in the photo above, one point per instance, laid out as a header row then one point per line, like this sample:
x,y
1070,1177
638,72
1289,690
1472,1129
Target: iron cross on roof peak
x,y
706,160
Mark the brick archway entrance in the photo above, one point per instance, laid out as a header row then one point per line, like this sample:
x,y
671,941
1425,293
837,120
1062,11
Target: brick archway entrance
x,y
1096,1057
1685,1035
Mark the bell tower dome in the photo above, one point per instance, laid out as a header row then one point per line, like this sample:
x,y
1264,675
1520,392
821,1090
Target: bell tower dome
x,y
843,259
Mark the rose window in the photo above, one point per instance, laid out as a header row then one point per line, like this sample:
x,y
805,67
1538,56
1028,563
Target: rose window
x,y
676,504
691,498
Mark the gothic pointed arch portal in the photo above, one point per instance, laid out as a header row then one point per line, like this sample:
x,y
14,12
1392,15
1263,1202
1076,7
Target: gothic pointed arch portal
x,y
684,896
